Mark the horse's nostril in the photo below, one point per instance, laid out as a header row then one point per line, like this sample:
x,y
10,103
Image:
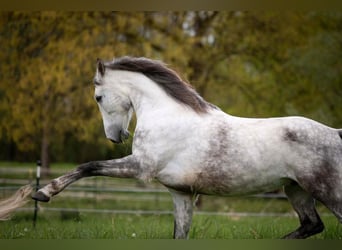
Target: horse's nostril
x,y
98,98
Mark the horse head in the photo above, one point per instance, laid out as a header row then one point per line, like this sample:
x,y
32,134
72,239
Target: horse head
x,y
114,104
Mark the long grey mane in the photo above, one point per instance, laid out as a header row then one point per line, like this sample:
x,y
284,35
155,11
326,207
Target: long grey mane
x,y
165,77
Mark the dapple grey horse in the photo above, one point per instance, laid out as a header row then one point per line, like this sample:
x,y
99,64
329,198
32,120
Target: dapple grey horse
x,y
192,147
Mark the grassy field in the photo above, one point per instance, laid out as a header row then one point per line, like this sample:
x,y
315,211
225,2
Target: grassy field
x,y
97,226
77,224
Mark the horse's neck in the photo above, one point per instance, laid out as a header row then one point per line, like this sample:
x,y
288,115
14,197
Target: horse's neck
x,y
150,100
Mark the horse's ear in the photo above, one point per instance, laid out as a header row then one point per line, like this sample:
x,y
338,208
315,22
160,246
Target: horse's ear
x,y
100,66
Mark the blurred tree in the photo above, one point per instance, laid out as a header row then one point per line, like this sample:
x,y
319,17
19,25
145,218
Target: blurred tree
x,y
46,89
275,64
248,63
47,84
316,71
248,51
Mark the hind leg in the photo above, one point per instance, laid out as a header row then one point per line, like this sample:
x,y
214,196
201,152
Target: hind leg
x,y
325,186
304,204
332,201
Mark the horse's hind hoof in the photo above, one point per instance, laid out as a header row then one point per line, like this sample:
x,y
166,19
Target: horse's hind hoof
x,y
40,196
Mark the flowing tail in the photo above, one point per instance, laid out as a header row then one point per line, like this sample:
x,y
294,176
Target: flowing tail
x,y
19,199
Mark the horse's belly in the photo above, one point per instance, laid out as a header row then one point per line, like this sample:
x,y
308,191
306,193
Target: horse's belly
x,y
226,186
223,183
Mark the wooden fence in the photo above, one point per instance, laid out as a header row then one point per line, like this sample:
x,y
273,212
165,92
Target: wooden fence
x,y
107,187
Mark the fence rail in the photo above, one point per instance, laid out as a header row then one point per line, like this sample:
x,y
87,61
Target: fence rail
x,y
133,190
163,212
105,187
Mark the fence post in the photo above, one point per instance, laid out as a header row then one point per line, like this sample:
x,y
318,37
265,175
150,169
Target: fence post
x,y
37,187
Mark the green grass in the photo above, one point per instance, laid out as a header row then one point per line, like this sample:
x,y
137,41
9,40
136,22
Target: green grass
x,y
91,226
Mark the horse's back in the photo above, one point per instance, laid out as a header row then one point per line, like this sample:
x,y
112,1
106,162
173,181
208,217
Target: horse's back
x,y
299,142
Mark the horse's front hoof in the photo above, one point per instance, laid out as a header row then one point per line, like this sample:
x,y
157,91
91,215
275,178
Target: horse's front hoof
x,y
40,196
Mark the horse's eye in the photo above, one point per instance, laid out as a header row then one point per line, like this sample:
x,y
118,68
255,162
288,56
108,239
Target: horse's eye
x,y
98,98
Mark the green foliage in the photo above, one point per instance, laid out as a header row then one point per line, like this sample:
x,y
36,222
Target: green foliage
x,y
254,64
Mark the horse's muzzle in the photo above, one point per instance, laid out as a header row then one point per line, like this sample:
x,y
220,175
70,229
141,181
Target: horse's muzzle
x,y
123,135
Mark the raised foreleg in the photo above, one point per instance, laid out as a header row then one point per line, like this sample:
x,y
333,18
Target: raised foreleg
x,y
127,167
